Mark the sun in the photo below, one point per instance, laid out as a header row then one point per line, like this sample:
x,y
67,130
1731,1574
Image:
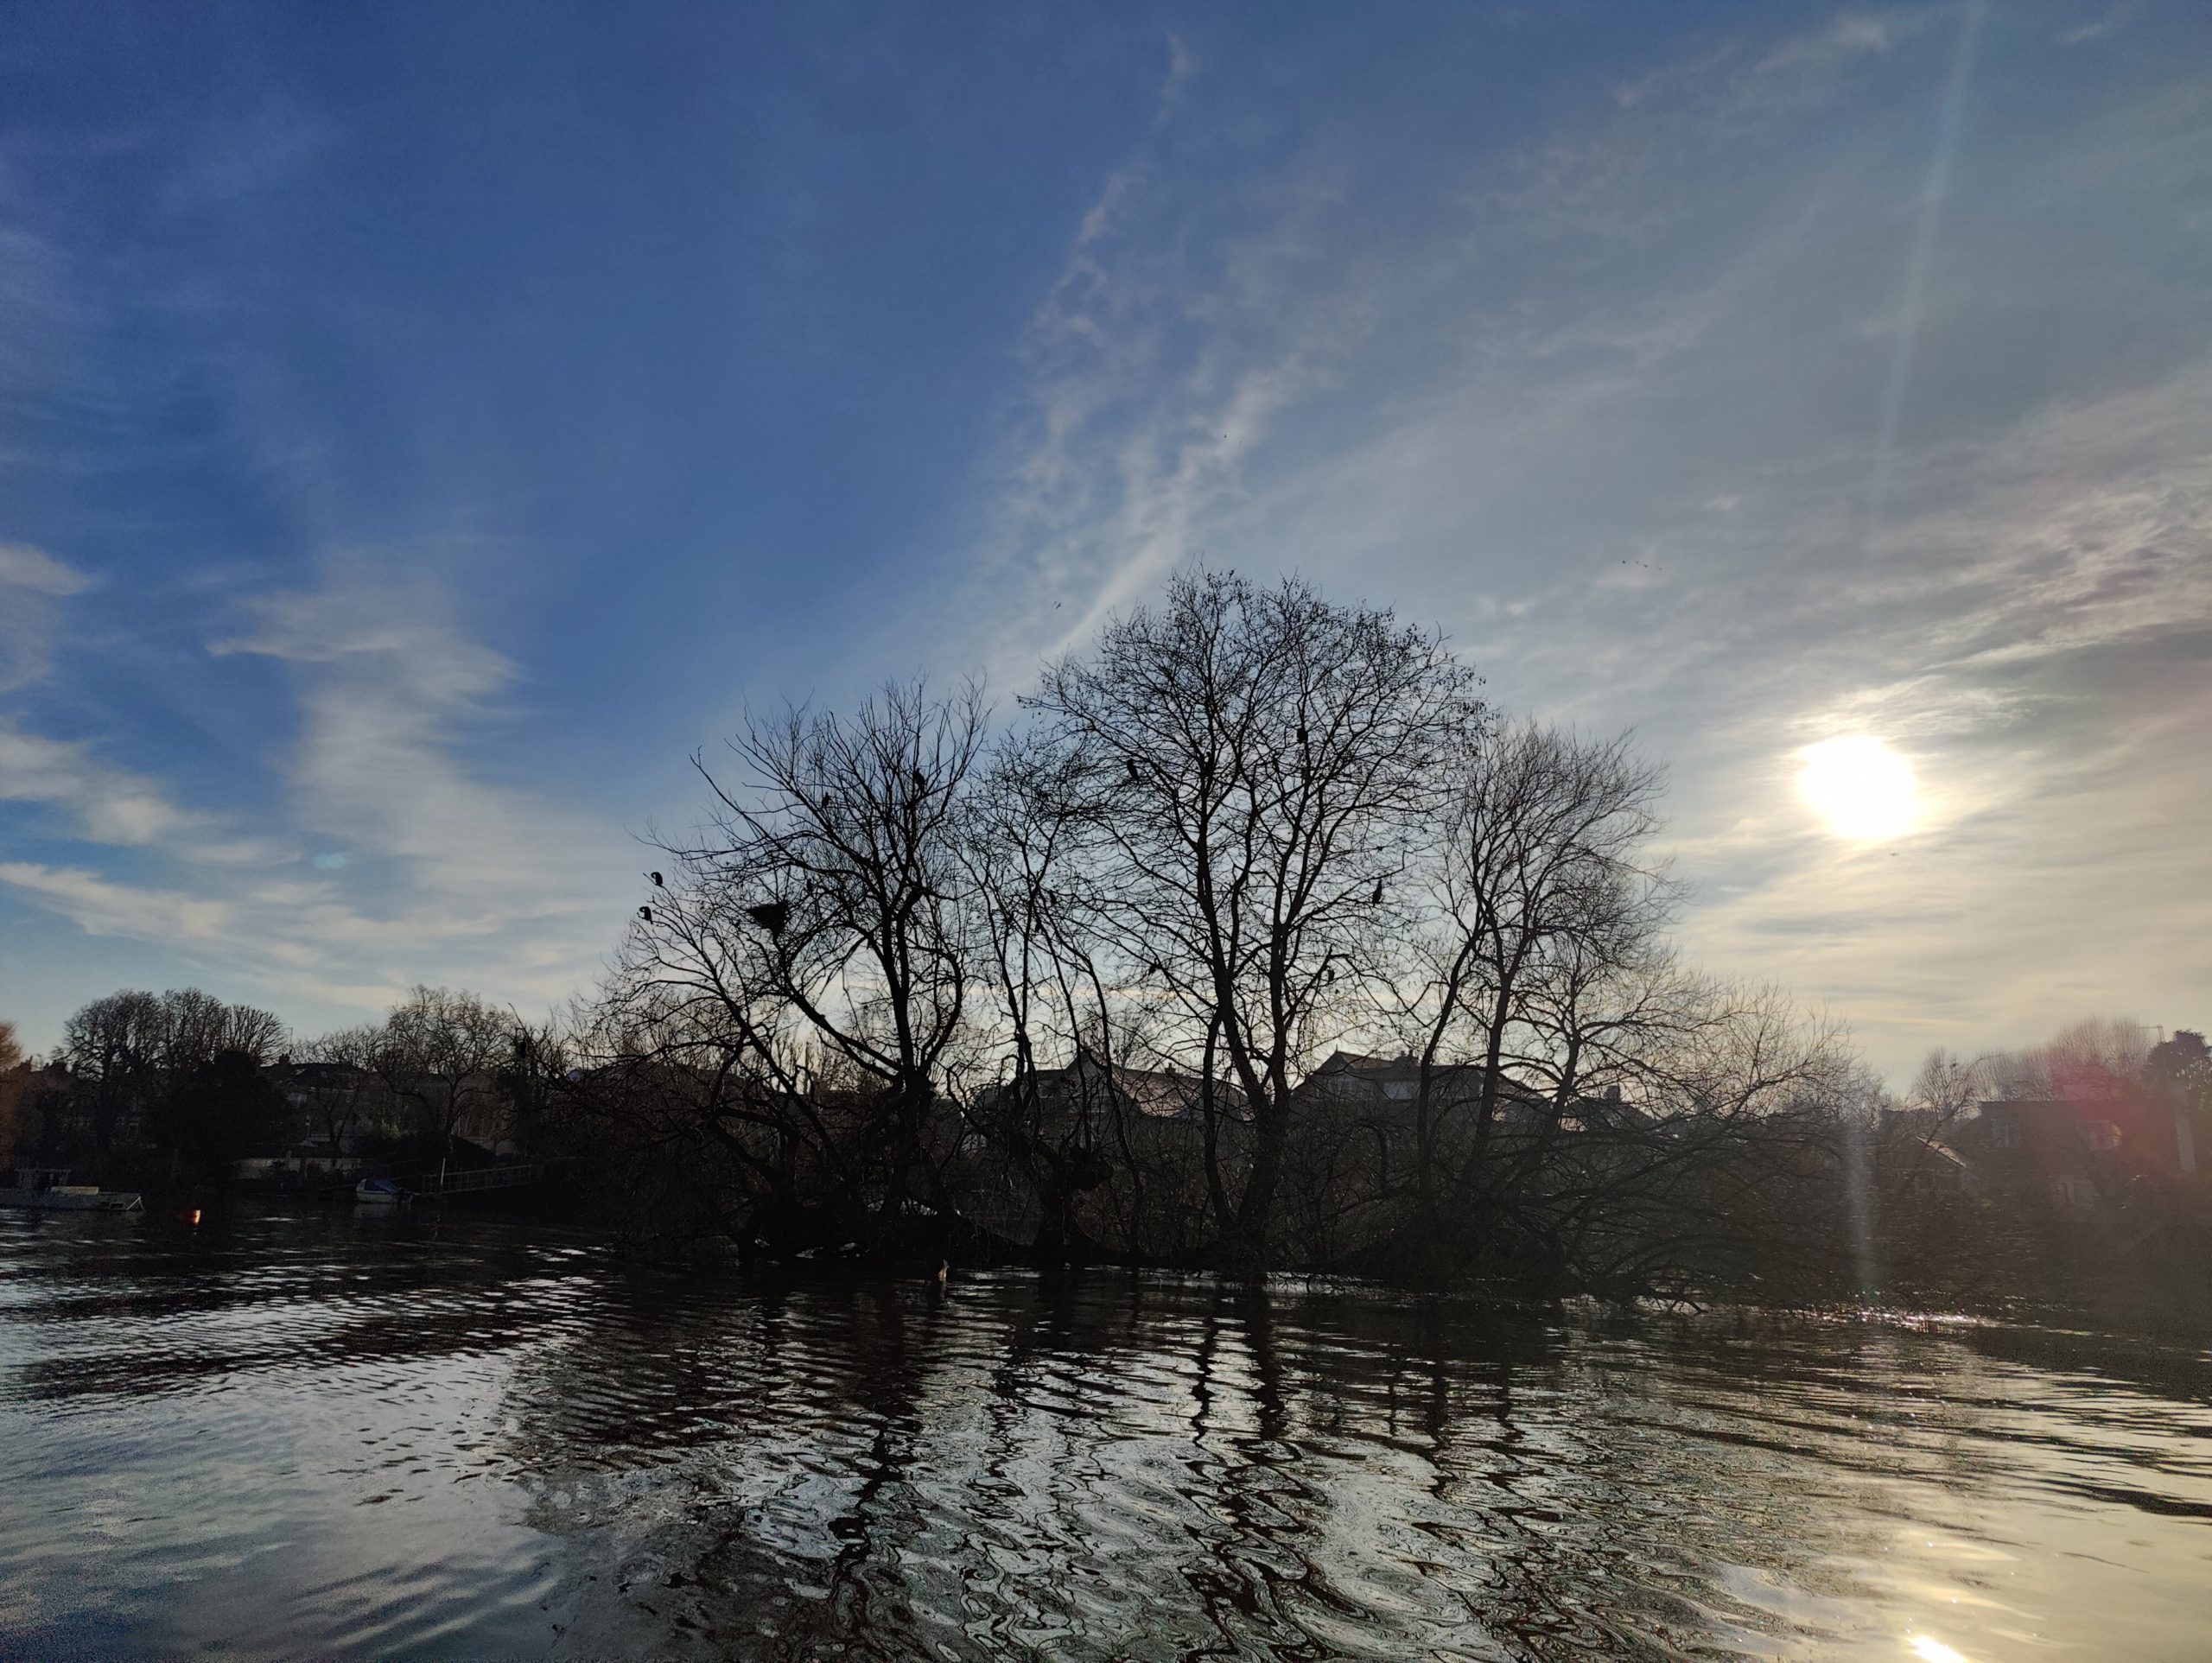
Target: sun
x,y
1863,790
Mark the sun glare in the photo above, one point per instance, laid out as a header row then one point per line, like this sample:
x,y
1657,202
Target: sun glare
x,y
1934,1651
1862,789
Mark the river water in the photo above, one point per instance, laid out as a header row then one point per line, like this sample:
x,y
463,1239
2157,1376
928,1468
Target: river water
x,y
409,1436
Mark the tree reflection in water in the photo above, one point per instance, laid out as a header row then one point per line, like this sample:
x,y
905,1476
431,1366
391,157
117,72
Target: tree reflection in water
x,y
417,1439
1105,1467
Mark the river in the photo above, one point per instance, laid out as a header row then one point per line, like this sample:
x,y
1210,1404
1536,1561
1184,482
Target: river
x,y
415,1437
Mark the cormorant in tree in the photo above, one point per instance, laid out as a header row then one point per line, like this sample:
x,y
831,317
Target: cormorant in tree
x,y
1377,899
1135,778
646,913
657,882
921,784
771,916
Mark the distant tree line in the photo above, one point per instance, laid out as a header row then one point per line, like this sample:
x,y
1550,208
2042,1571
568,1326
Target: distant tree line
x,y
172,1078
151,1090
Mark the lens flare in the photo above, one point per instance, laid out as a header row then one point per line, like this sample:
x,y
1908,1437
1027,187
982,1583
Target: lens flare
x,y
1864,790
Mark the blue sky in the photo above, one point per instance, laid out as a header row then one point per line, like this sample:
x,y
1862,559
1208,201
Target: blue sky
x,y
421,427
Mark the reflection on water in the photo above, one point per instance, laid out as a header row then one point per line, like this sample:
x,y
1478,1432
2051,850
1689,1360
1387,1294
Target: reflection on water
x,y
390,1437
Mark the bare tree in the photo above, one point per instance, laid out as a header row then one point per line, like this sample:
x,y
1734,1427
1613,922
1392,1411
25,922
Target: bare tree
x,y
1947,1088
192,1030
442,1049
343,1087
197,1027
1249,825
1730,1162
132,1051
2092,1057
1551,893
116,1047
540,1058
802,975
1251,768
13,1080
1537,942
1056,1020
252,1032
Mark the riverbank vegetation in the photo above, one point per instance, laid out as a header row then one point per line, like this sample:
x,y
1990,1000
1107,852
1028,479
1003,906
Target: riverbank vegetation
x,y
1257,938
1253,936
180,1090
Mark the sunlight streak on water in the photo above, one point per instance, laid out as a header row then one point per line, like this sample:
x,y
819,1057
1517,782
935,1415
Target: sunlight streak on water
x,y
1934,1651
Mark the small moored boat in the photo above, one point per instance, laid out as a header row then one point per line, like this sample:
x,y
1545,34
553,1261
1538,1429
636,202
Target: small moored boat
x,y
47,1189
379,1192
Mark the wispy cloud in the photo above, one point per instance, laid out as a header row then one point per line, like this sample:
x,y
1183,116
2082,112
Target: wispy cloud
x,y
31,583
1166,366
1611,411
97,800
2115,18
106,803
482,875
431,867
1158,367
102,907
391,686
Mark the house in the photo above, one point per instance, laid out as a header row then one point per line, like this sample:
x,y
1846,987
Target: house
x,y
1914,1154
2086,1153
1387,1090
42,1109
1089,1087
14,1087
1359,1119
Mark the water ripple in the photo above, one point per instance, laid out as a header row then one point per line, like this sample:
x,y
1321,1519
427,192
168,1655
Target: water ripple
x,y
401,1438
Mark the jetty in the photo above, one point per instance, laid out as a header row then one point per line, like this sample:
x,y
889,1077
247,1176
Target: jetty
x,y
47,1188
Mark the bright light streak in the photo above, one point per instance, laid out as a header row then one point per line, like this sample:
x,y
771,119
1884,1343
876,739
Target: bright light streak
x,y
1934,1651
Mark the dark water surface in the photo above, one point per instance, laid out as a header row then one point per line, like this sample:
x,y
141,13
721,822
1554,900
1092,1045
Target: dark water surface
x,y
399,1437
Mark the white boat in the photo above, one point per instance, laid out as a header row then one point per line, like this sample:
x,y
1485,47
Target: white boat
x,y
379,1192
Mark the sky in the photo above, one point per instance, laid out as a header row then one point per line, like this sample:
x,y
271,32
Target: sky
x,y
423,428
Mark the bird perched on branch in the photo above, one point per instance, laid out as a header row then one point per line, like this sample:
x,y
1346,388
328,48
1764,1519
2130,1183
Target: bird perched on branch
x,y
655,876
646,913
